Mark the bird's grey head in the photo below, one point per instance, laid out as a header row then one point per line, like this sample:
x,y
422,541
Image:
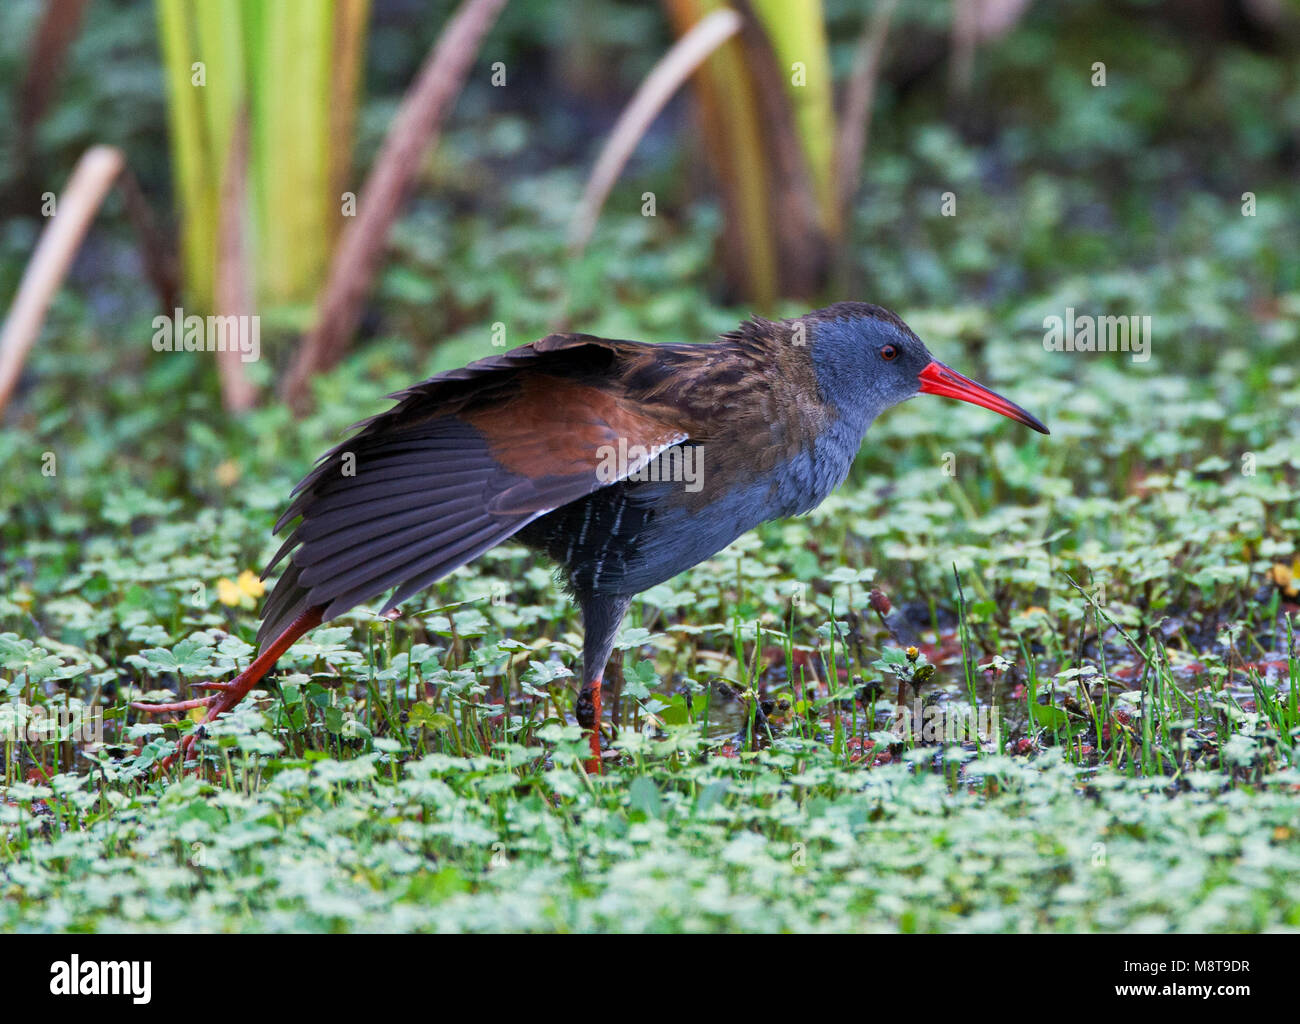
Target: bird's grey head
x,y
867,360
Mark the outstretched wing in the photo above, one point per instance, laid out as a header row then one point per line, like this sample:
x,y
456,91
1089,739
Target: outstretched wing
x,y
463,461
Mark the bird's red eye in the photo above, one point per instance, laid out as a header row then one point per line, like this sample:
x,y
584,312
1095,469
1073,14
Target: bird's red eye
x,y
888,352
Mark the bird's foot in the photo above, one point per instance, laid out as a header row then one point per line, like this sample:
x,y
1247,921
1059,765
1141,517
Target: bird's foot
x,y
226,699
229,694
185,705
587,710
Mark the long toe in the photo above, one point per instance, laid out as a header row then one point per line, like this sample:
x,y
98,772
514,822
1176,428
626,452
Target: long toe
x,y
177,705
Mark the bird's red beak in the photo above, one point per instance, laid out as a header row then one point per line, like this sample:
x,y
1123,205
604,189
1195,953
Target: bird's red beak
x,y
937,379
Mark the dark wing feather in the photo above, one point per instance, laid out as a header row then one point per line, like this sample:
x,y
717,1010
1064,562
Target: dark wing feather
x,y
461,463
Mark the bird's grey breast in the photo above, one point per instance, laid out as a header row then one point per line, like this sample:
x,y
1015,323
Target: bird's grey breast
x,y
677,533
808,478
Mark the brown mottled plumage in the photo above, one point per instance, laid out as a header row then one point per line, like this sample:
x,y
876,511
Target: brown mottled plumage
x,y
536,416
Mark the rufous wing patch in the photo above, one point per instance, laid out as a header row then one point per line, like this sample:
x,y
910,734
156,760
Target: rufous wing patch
x,y
554,433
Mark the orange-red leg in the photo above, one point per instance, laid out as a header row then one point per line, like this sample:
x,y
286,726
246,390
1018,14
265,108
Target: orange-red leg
x,y
588,713
230,694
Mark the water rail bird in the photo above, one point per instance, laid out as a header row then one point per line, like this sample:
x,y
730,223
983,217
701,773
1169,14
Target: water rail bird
x,y
624,462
